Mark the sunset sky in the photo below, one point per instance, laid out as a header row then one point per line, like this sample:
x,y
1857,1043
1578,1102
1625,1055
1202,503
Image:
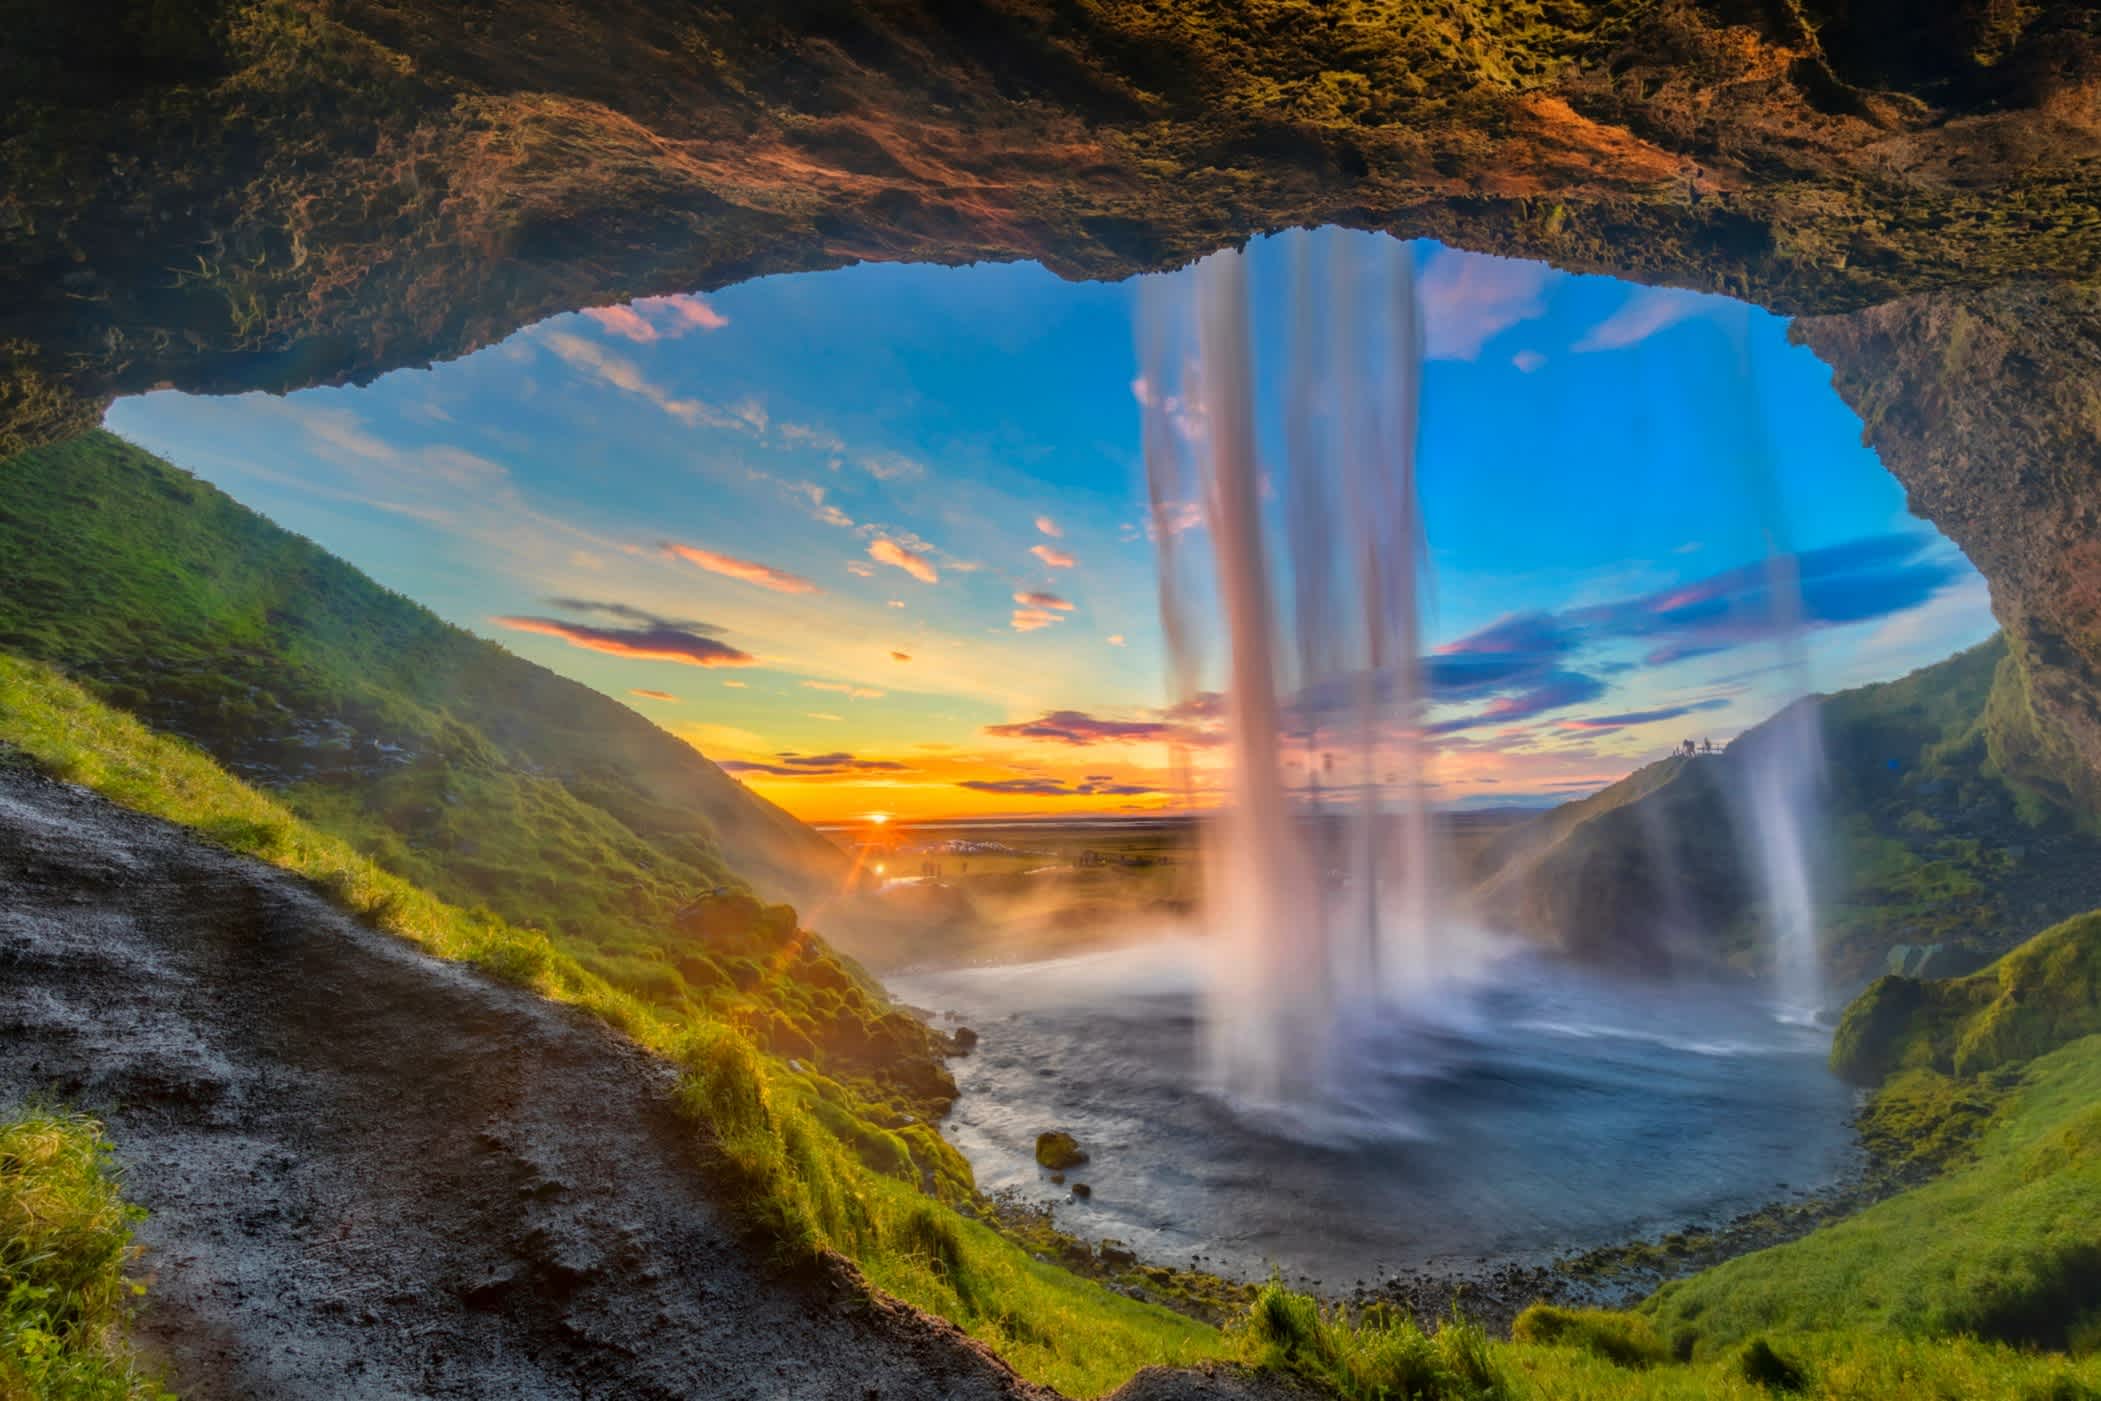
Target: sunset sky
x,y
876,538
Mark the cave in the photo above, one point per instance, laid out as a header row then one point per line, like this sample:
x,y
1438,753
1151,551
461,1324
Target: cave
x,y
217,196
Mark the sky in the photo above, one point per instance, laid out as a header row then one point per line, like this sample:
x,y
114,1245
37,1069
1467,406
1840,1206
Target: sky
x,y
877,539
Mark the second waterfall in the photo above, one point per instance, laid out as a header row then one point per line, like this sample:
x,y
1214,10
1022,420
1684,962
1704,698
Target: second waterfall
x,y
1322,896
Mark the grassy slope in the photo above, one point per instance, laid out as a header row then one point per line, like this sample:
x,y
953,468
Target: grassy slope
x,y
801,1154
65,1257
173,600
1941,831
472,774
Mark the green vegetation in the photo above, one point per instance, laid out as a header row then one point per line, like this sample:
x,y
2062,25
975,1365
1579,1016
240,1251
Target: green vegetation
x,y
469,773
1942,837
807,1160
2004,1246
2041,995
65,1248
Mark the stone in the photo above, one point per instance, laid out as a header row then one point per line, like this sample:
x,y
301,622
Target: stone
x,y
1058,1150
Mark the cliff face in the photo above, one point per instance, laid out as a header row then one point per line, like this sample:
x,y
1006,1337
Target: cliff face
x,y
1986,404
234,194
229,194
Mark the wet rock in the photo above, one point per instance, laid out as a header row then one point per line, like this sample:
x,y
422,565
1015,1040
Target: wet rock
x,y
1115,1252
1057,1150
1082,1190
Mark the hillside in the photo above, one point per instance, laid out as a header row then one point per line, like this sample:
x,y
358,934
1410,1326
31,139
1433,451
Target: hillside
x,y
1947,840
471,770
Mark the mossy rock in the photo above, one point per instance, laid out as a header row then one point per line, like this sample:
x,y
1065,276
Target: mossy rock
x,y
1059,1150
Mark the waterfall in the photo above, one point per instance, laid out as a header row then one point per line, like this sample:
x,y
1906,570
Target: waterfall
x,y
1321,897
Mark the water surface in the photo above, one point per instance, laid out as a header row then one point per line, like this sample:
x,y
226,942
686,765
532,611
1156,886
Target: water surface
x,y
1546,1110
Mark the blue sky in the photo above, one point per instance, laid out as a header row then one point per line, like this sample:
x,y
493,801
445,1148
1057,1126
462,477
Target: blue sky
x,y
859,532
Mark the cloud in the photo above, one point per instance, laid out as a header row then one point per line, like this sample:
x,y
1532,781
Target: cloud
x,y
860,570
888,551
1854,581
900,656
890,466
1470,298
1528,662
1038,610
1528,361
649,639
647,694
813,497
625,374
1049,527
1078,727
1053,788
806,435
735,685
847,689
1643,314
1555,691
751,572
1115,639
1598,724
791,765
658,318
1055,558
1032,619
822,715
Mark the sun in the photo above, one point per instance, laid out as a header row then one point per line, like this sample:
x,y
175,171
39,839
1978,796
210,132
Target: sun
x,y
877,819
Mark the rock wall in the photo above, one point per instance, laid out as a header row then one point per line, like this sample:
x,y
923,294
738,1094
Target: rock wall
x,y
1986,404
231,194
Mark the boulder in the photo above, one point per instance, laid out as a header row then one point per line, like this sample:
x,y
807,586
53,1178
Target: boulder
x,y
1058,1150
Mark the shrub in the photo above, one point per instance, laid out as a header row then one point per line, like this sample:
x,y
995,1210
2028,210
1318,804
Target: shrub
x,y
1622,1338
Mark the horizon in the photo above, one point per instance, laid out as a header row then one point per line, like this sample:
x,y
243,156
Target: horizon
x,y
934,595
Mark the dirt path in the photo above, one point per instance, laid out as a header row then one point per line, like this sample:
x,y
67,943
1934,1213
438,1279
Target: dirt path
x,y
373,1174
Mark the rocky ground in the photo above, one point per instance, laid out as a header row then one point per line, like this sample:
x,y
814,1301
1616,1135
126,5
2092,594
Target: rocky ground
x,y
371,1173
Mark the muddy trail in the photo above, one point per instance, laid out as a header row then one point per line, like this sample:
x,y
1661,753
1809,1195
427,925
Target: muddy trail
x,y
375,1174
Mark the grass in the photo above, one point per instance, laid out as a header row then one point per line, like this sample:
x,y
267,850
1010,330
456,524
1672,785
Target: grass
x,y
2038,996
808,1162
66,1293
2005,1245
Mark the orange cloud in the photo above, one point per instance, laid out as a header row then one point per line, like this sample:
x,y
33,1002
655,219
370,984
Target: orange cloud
x,y
1043,600
890,552
1056,559
900,656
646,694
750,571
1116,639
1049,527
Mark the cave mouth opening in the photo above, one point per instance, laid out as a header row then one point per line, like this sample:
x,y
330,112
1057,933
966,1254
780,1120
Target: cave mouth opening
x,y
829,472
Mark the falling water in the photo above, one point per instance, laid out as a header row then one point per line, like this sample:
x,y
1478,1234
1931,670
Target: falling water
x,y
1321,892
1781,777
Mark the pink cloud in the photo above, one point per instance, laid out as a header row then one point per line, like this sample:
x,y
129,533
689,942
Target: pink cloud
x,y
1049,527
890,552
1043,600
657,318
1056,559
